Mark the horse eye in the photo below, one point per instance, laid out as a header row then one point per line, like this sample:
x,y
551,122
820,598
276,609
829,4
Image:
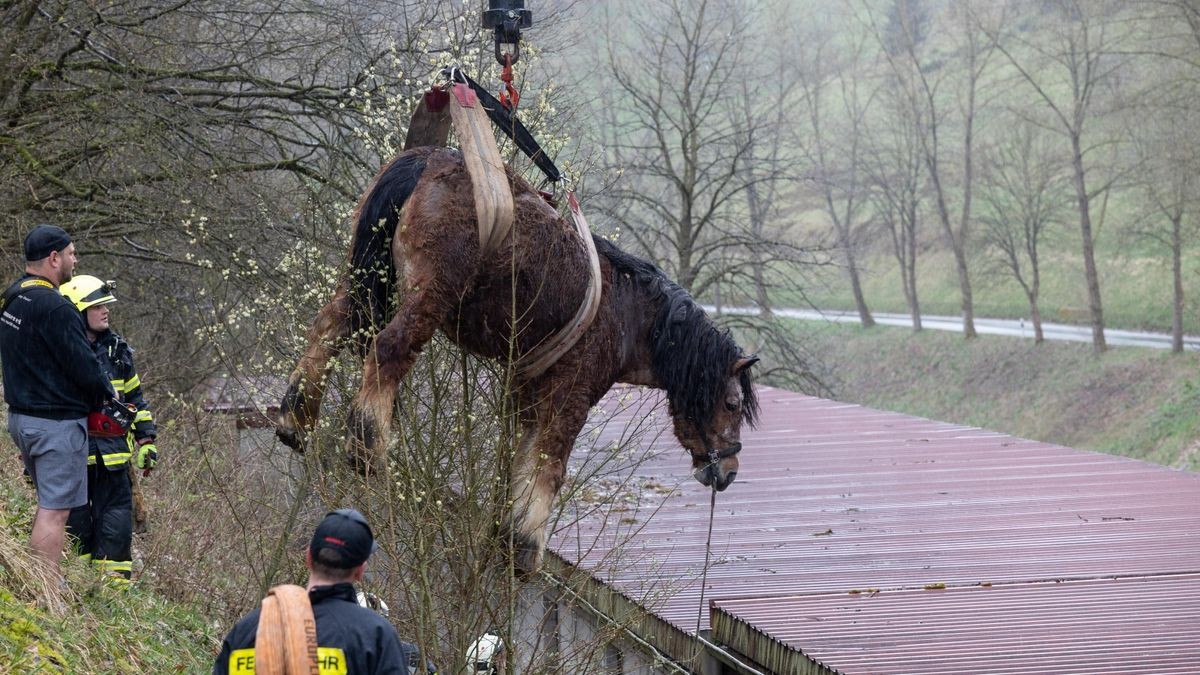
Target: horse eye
x,y
731,406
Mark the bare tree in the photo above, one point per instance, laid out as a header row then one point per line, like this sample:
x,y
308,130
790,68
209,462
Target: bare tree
x,y
1165,139
765,154
835,99
1067,64
923,77
1025,191
178,139
897,182
690,142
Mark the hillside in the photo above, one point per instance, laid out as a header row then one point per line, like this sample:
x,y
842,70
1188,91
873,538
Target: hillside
x,y
88,627
1140,403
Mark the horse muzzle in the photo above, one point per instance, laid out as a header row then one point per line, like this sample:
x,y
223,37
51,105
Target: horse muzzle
x,y
714,474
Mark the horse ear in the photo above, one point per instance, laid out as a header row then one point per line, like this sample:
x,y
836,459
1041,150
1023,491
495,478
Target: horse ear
x,y
744,363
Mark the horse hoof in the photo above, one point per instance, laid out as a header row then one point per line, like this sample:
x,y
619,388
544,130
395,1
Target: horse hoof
x,y
359,459
523,551
290,438
527,556
360,442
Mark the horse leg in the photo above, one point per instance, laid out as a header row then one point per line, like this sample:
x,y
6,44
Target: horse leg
x,y
539,469
389,359
306,386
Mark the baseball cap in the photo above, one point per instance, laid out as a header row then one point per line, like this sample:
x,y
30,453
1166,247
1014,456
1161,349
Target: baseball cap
x,y
345,531
43,239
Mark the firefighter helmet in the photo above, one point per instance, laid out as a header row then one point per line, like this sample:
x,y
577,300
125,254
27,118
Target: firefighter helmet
x,y
86,291
485,654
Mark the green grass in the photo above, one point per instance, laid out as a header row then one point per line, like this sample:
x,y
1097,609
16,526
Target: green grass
x,y
108,631
99,629
1140,403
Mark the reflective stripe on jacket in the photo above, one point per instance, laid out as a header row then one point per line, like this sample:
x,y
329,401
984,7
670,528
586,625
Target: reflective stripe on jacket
x,y
116,358
350,638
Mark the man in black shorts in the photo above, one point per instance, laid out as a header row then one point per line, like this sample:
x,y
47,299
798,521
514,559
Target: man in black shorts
x,y
51,381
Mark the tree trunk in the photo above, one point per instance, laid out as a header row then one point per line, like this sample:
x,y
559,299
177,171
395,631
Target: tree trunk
x,y
960,256
964,285
910,282
760,291
860,301
717,294
1095,307
1036,315
756,228
1177,278
1034,291
964,223
845,240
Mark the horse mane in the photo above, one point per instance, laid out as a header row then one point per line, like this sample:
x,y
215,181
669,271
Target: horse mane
x,y
372,274
690,356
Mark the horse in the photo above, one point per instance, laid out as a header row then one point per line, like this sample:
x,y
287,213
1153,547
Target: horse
x,y
415,226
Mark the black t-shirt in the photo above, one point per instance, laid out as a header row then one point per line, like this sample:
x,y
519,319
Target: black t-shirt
x,y
49,367
350,639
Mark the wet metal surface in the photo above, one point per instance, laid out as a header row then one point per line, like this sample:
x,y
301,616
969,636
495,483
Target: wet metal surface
x,y
871,542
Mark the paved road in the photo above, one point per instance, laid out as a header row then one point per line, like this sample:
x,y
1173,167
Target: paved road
x,y
1011,327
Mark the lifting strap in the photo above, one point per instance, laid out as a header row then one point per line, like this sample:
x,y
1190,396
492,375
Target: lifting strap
x,y
468,103
286,642
509,124
549,352
489,180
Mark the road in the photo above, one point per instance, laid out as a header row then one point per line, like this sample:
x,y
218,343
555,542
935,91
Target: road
x,y
1010,327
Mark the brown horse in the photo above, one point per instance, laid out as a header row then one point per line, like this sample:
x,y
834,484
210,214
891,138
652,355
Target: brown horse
x,y
417,224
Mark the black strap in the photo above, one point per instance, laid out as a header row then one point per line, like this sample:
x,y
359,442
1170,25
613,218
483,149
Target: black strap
x,y
509,124
21,288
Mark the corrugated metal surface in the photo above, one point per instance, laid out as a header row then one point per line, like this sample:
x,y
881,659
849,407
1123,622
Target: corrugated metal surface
x,y
1127,625
834,498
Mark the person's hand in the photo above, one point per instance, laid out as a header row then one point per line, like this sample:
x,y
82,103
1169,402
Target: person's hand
x,y
147,455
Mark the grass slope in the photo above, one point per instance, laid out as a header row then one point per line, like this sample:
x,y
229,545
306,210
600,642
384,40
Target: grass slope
x,y
1140,403
89,627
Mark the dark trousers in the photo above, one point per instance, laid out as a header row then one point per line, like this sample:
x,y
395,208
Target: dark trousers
x,y
104,527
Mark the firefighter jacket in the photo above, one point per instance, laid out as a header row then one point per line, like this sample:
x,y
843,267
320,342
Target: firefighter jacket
x,y
116,359
49,370
350,639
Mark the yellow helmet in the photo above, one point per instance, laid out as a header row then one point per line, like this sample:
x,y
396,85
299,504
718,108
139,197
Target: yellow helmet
x,y
86,291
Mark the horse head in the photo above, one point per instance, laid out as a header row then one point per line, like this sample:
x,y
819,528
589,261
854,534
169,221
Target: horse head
x,y
714,442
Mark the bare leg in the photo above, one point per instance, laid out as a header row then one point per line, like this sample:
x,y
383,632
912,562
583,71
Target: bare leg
x,y
49,536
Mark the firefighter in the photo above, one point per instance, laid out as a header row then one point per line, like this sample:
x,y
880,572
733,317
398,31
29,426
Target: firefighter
x,y
350,638
104,526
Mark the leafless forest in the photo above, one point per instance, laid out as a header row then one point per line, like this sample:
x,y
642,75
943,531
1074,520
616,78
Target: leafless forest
x,y
206,153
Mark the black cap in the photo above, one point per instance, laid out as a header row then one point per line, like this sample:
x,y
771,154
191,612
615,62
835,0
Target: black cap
x,y
346,532
43,239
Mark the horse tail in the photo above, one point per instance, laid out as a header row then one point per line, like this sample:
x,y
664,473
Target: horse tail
x,y
372,276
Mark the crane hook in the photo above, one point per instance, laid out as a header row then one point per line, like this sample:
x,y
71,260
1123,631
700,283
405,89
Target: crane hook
x,y
507,18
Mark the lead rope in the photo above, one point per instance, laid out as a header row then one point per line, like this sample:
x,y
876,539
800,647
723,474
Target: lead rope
x,y
712,508
713,458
